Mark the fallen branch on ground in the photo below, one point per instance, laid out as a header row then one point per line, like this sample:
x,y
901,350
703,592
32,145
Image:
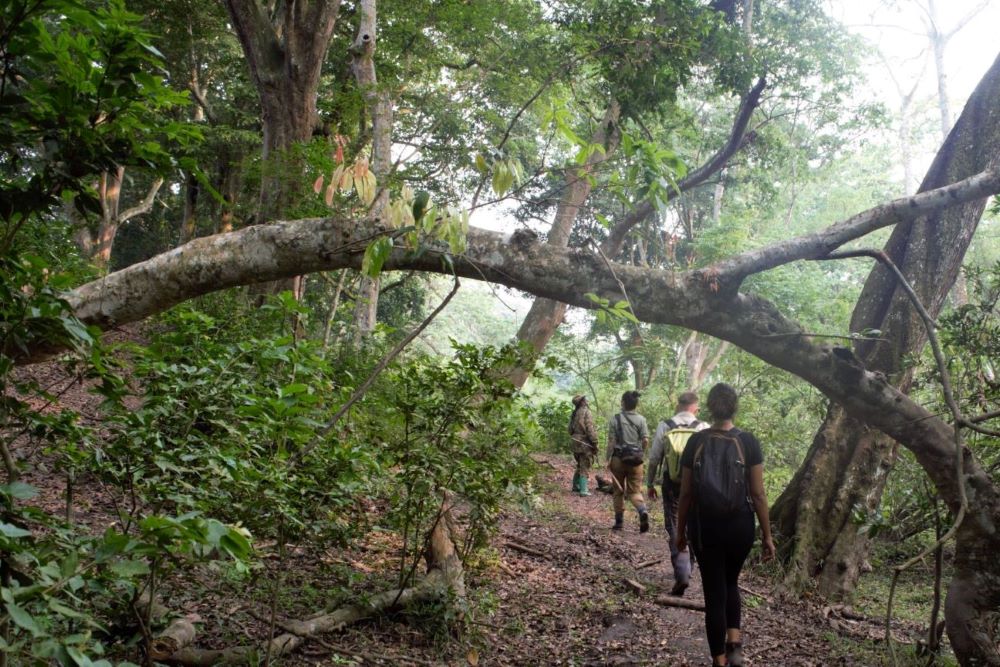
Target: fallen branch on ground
x,y
755,593
179,634
516,546
648,563
635,586
683,603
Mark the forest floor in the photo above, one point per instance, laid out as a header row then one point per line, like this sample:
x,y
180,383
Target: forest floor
x,y
585,597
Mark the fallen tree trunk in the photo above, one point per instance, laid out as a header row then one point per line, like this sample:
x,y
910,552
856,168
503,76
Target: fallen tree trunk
x,y
706,300
179,634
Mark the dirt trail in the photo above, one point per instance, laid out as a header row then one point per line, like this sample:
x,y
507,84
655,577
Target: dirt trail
x,y
574,607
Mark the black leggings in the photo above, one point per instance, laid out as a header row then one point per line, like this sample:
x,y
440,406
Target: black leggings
x,y
721,551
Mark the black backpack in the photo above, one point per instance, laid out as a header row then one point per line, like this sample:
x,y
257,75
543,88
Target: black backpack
x,y
629,454
720,482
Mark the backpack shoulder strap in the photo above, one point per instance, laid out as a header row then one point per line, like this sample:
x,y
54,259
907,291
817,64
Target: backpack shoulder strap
x,y
724,435
671,424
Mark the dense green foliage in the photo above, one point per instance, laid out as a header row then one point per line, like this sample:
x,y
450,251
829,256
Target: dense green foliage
x,y
213,444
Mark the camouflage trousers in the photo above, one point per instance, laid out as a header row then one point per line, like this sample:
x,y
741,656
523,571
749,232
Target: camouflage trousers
x,y
628,482
584,460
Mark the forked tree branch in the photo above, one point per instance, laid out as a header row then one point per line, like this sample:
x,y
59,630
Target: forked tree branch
x,y
737,138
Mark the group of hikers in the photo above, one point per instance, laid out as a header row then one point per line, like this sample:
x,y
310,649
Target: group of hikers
x,y
712,485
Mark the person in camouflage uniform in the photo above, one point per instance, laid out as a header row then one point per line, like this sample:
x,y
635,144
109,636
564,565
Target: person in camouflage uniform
x,y
583,441
628,430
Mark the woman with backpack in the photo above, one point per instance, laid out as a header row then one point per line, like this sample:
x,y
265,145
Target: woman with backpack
x,y
722,487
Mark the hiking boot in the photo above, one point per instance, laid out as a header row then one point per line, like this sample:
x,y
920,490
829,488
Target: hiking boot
x,y
679,588
583,487
619,521
576,483
734,654
643,522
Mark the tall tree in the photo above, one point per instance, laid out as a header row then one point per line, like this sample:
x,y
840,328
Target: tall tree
x,y
848,463
285,46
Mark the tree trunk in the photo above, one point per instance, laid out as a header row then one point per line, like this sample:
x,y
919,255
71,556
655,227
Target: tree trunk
x,y
845,469
697,362
939,41
286,57
379,108
96,243
546,315
541,323
189,222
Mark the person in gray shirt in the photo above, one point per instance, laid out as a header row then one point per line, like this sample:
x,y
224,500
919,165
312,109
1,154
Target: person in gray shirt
x,y
628,439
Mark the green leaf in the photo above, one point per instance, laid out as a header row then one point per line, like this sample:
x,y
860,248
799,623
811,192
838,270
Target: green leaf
x,y
19,490
481,165
375,255
63,610
130,569
24,620
13,531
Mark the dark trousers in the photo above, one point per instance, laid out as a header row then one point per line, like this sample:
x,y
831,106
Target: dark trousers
x,y
680,560
721,546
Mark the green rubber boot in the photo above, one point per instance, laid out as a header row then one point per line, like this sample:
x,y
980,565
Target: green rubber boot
x,y
583,486
576,483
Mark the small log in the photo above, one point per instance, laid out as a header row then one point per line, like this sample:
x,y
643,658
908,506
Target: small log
x,y
683,603
506,568
649,563
516,546
179,633
635,586
543,462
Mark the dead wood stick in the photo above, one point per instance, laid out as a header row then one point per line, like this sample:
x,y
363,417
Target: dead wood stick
x,y
516,546
648,563
506,568
754,593
683,603
542,461
635,586
764,649
368,654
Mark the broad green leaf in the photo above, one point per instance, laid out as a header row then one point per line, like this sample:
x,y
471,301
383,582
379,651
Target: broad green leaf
x,y
129,569
24,620
19,490
13,531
